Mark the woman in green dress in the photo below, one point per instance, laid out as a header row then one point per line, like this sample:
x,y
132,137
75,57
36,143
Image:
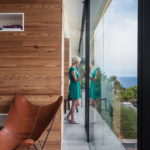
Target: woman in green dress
x,y
74,88
95,86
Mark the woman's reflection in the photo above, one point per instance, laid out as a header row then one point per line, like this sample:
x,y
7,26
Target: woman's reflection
x,y
95,86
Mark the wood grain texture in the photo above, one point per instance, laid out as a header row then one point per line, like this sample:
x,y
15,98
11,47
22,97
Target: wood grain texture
x,y
66,67
30,61
37,49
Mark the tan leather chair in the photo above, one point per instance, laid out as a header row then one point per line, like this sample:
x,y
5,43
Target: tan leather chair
x,y
26,122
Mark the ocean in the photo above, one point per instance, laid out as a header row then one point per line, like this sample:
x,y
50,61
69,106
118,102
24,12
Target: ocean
x,y
128,81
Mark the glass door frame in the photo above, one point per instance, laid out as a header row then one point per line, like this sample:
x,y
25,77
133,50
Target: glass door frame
x,y
143,75
87,60
143,21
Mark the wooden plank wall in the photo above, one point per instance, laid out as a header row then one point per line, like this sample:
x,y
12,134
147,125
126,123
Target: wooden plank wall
x,y
66,66
30,61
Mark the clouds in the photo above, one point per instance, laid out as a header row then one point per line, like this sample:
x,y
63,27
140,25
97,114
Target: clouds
x,y
118,32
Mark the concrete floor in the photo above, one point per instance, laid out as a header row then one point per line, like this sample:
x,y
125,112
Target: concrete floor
x,y
102,135
74,134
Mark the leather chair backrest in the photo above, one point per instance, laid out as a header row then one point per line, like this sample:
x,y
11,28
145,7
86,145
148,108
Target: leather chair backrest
x,y
44,116
26,120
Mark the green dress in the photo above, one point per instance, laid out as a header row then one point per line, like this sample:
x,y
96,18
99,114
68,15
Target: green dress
x,y
95,86
74,87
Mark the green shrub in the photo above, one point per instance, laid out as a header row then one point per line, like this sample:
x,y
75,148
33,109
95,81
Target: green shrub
x,y
128,122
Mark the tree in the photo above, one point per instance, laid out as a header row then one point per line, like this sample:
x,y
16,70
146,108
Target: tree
x,y
128,94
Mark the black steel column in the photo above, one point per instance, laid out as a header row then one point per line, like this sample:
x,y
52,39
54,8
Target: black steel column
x,y
140,76
87,57
144,75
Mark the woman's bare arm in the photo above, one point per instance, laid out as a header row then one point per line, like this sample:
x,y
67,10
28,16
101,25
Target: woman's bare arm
x,y
75,77
95,78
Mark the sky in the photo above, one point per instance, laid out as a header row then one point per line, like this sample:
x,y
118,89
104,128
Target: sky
x,y
116,39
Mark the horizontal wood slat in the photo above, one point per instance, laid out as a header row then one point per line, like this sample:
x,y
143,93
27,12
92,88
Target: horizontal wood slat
x,y
24,56
30,61
66,67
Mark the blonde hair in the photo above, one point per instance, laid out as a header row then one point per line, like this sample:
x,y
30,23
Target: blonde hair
x,y
75,59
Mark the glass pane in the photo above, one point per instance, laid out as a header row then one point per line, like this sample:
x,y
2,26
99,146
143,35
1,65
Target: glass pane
x,y
82,70
113,85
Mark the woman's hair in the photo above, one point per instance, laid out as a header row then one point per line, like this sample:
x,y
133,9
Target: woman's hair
x,y
75,59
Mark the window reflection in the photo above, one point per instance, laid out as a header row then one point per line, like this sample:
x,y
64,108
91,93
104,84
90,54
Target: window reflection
x,y
113,84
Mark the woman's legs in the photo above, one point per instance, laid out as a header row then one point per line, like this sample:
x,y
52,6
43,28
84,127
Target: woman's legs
x,y
73,107
78,103
72,111
67,118
93,103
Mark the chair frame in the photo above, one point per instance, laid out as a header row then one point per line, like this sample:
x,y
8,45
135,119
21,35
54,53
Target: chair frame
x,y
30,142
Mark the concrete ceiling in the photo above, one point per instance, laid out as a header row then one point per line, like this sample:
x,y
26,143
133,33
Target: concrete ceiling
x,y
73,10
